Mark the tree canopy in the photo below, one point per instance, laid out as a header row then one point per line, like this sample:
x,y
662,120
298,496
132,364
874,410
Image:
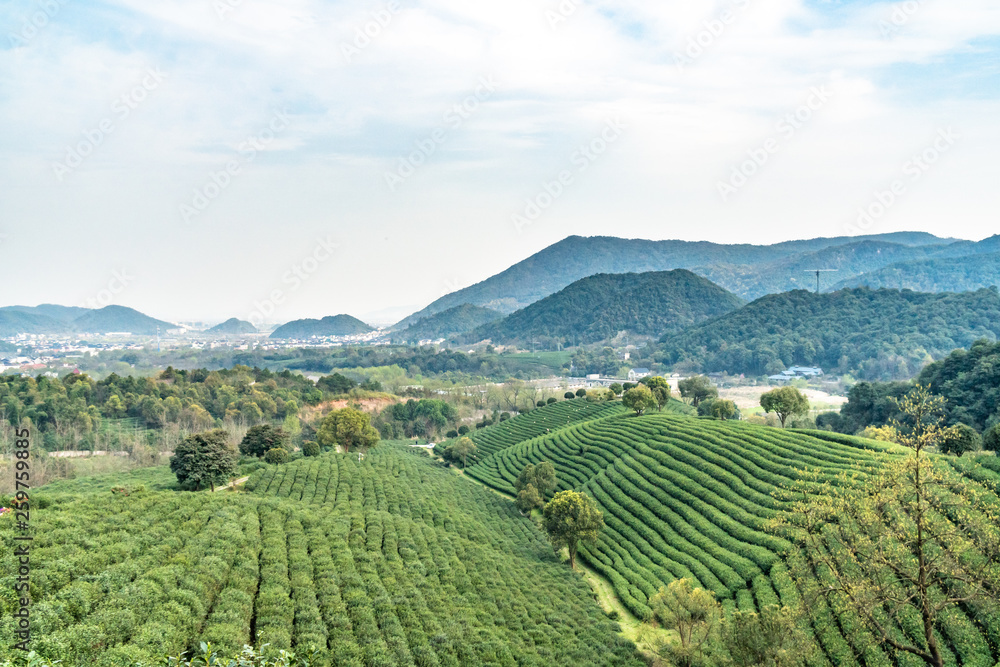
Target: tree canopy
x,y
572,517
204,459
347,428
785,402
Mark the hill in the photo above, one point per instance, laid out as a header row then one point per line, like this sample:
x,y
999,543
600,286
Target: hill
x,y
112,319
873,334
966,273
59,313
576,257
233,326
14,322
692,498
600,306
335,325
448,323
392,561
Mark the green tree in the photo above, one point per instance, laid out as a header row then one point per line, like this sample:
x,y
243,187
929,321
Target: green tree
x,y
463,449
694,614
572,517
580,393
769,638
991,439
310,448
261,439
723,409
616,389
528,499
911,539
533,484
348,428
785,402
568,395
204,458
639,399
662,397
697,389
960,439
276,456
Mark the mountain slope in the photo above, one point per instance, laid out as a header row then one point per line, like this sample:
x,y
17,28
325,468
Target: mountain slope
x,y
876,334
445,324
967,273
599,307
112,319
335,325
14,321
576,257
64,314
233,326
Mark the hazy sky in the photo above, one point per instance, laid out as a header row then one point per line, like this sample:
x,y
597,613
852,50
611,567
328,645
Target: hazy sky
x,y
192,157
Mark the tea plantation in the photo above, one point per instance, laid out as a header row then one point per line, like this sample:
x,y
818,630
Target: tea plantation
x,y
686,497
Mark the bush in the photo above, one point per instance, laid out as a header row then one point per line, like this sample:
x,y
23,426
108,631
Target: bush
x,y
310,448
568,395
551,400
276,456
580,393
451,434
463,430
540,404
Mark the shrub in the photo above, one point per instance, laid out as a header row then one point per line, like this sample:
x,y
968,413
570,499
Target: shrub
x,y
276,456
568,395
310,448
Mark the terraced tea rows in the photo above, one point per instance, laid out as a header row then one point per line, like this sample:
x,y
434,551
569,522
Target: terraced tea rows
x,y
392,561
686,497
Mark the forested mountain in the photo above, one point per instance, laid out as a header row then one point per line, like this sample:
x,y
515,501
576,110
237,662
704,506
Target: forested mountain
x,y
970,380
875,334
233,326
335,325
599,307
967,273
749,271
451,322
50,319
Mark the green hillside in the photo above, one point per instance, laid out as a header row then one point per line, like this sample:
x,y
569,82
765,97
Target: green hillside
x,y
448,323
599,307
119,319
333,325
692,498
233,326
393,561
873,334
965,273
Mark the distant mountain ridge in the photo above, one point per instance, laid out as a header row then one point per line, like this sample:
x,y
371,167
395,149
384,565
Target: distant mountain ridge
x,y
233,327
599,307
52,319
334,325
749,271
451,322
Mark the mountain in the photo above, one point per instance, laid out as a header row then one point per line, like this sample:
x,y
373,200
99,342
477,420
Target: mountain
x,y
599,307
451,322
737,268
967,273
14,321
65,314
112,319
336,325
233,326
875,334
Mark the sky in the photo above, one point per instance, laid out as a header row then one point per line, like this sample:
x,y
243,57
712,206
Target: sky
x,y
207,159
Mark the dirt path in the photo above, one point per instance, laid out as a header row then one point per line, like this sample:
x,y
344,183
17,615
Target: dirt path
x,y
236,482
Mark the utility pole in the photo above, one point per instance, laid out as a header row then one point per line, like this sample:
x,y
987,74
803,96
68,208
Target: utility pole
x,y
819,271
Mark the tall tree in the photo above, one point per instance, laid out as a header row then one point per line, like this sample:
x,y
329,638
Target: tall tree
x,y
694,614
697,389
348,428
261,439
572,517
911,539
204,459
639,399
723,409
463,449
785,402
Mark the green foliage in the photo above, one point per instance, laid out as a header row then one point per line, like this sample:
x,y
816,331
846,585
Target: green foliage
x,y
204,459
723,409
276,456
960,439
991,439
616,389
580,393
423,418
771,637
448,323
697,389
872,334
639,399
336,384
785,402
970,381
645,304
347,428
261,439
533,485
335,325
572,518
694,614
462,450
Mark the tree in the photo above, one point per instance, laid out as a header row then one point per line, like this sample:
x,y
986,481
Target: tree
x,y
910,541
276,456
571,518
694,614
541,477
261,439
204,458
697,389
580,393
639,399
336,384
348,428
662,396
960,439
769,638
723,409
310,448
785,402
463,449
528,499
991,439
568,395
616,389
